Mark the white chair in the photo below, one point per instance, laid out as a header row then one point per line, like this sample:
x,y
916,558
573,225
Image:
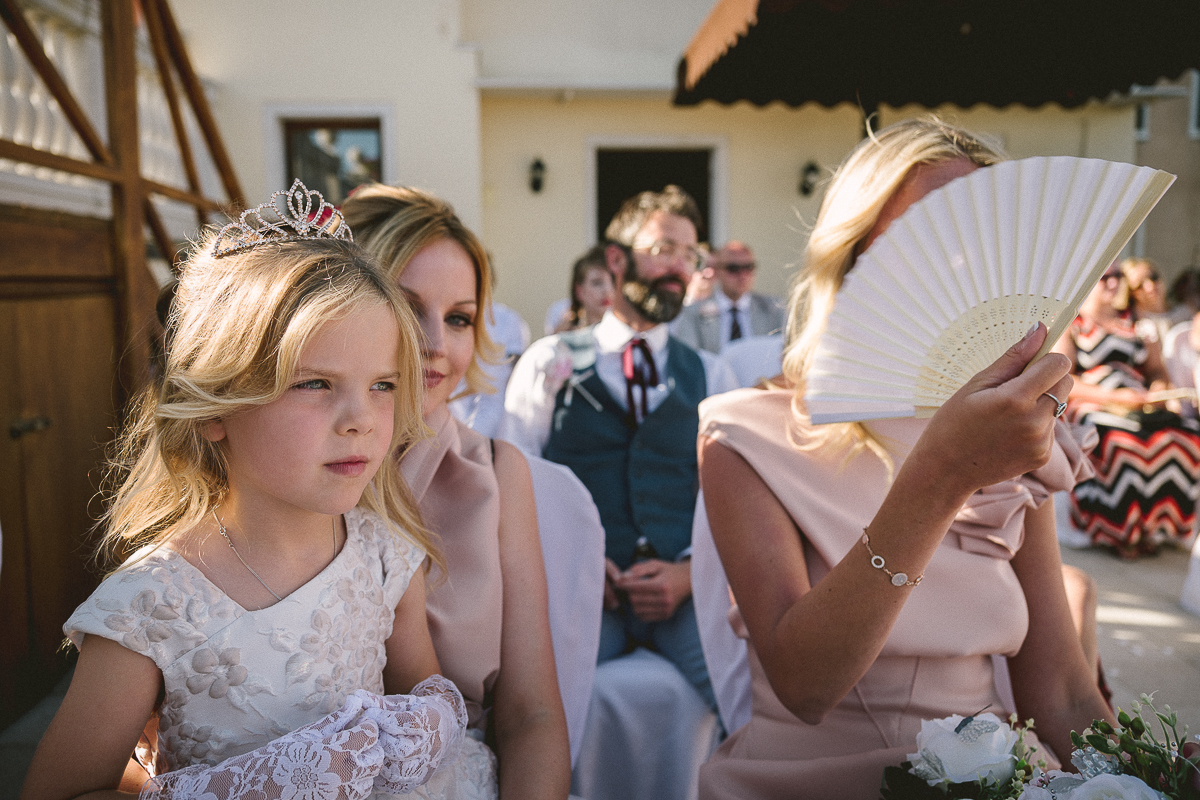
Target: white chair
x,y
648,732
573,549
1181,361
1190,598
724,652
755,358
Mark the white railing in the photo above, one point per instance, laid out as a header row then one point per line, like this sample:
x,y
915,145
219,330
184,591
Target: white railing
x,y
69,31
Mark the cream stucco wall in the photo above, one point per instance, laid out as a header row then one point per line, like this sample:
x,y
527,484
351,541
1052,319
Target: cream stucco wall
x,y
581,43
1173,230
401,57
471,91
759,153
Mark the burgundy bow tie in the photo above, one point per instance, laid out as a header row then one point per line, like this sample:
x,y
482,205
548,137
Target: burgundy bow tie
x,y
643,374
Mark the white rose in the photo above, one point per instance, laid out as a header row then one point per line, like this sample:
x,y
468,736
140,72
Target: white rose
x,y
1115,787
1031,792
1052,785
982,750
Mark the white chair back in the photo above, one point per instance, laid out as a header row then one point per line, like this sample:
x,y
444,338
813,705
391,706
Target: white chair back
x,y
724,653
648,732
1191,584
755,358
573,549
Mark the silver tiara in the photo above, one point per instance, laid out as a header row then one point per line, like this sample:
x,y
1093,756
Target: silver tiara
x,y
307,216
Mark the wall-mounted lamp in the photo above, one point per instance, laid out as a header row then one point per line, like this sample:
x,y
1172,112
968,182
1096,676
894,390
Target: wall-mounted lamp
x,y
810,173
537,175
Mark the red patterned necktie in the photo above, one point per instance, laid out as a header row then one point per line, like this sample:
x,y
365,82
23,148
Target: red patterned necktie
x,y
641,373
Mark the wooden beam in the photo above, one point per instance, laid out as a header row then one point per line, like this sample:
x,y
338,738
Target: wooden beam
x,y
136,290
43,158
14,17
161,237
162,59
195,93
199,201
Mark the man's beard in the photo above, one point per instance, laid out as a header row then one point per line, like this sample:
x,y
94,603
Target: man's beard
x,y
657,301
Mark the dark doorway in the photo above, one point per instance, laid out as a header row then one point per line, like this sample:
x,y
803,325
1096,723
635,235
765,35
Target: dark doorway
x,y
622,173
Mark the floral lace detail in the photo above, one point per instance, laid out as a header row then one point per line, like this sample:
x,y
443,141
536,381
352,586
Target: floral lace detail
x,y
372,744
471,776
236,680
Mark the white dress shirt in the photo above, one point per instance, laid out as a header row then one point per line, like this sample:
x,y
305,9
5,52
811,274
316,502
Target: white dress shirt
x,y
529,402
484,411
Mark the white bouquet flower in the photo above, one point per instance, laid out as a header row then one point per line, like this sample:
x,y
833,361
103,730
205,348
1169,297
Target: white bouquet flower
x,y
1057,785
960,749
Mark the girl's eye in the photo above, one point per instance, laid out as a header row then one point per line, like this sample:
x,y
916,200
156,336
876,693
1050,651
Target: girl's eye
x,y
383,386
315,383
460,320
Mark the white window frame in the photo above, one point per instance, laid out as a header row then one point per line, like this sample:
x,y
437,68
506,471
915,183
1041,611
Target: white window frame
x,y
1141,132
1194,106
718,190
275,152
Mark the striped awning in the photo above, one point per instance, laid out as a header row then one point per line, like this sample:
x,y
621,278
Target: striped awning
x,y
931,52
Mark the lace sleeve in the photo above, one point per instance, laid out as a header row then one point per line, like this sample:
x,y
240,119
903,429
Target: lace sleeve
x,y
418,732
372,743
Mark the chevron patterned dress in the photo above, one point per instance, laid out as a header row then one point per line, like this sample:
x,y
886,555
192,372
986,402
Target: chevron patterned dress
x,y
1147,463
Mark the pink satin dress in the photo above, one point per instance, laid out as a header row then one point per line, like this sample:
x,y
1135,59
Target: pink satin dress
x,y
454,483
936,662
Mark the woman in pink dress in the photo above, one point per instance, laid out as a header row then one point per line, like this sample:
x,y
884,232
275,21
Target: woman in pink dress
x,y
825,532
488,612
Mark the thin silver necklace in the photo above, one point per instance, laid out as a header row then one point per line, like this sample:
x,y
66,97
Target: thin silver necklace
x,y
225,535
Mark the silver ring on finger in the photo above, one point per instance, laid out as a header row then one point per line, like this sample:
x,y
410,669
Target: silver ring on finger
x,y
1058,409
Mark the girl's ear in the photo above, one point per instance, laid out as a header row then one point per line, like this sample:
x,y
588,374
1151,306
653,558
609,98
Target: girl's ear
x,y
213,430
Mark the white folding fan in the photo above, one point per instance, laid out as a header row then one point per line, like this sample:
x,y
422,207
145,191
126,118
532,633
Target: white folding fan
x,y
964,273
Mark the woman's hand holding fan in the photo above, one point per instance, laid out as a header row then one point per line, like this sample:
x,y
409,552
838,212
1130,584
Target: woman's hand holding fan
x,y
1000,423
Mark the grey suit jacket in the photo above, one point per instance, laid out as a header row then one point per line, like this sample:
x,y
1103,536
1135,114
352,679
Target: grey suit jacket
x,y
699,324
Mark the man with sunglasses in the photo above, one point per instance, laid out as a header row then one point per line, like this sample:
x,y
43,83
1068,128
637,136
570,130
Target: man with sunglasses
x,y
734,311
617,403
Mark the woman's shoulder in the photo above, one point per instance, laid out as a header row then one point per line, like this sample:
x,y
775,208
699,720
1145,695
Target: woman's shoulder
x,y
156,604
768,410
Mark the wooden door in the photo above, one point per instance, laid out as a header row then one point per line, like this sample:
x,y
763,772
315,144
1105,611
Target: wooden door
x,y
57,385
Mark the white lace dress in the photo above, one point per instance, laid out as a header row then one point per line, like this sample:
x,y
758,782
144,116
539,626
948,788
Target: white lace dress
x,y
234,679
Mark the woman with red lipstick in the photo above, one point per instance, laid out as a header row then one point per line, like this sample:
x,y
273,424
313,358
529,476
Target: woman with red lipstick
x,y
274,608
489,617
593,288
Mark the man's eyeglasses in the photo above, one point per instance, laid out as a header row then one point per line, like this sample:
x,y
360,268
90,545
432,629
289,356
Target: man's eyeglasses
x,y
668,249
738,269
1111,279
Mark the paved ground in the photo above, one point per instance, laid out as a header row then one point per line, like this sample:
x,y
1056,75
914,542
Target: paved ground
x,y
1148,643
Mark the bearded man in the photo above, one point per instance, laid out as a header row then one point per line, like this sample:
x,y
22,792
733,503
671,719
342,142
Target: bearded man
x,y
617,404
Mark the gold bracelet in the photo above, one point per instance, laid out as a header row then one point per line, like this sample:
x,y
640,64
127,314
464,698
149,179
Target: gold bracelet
x,y
897,578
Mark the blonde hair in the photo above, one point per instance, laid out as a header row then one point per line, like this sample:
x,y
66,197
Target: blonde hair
x,y
234,337
1124,297
857,193
394,223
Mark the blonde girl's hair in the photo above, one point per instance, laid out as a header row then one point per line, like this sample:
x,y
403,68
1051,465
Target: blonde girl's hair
x,y
234,335
1124,298
853,202
394,223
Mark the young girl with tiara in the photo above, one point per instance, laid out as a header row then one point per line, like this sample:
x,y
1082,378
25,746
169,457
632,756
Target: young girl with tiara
x,y
276,605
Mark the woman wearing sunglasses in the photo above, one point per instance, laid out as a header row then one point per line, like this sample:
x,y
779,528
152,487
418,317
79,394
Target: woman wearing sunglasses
x,y
1148,460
